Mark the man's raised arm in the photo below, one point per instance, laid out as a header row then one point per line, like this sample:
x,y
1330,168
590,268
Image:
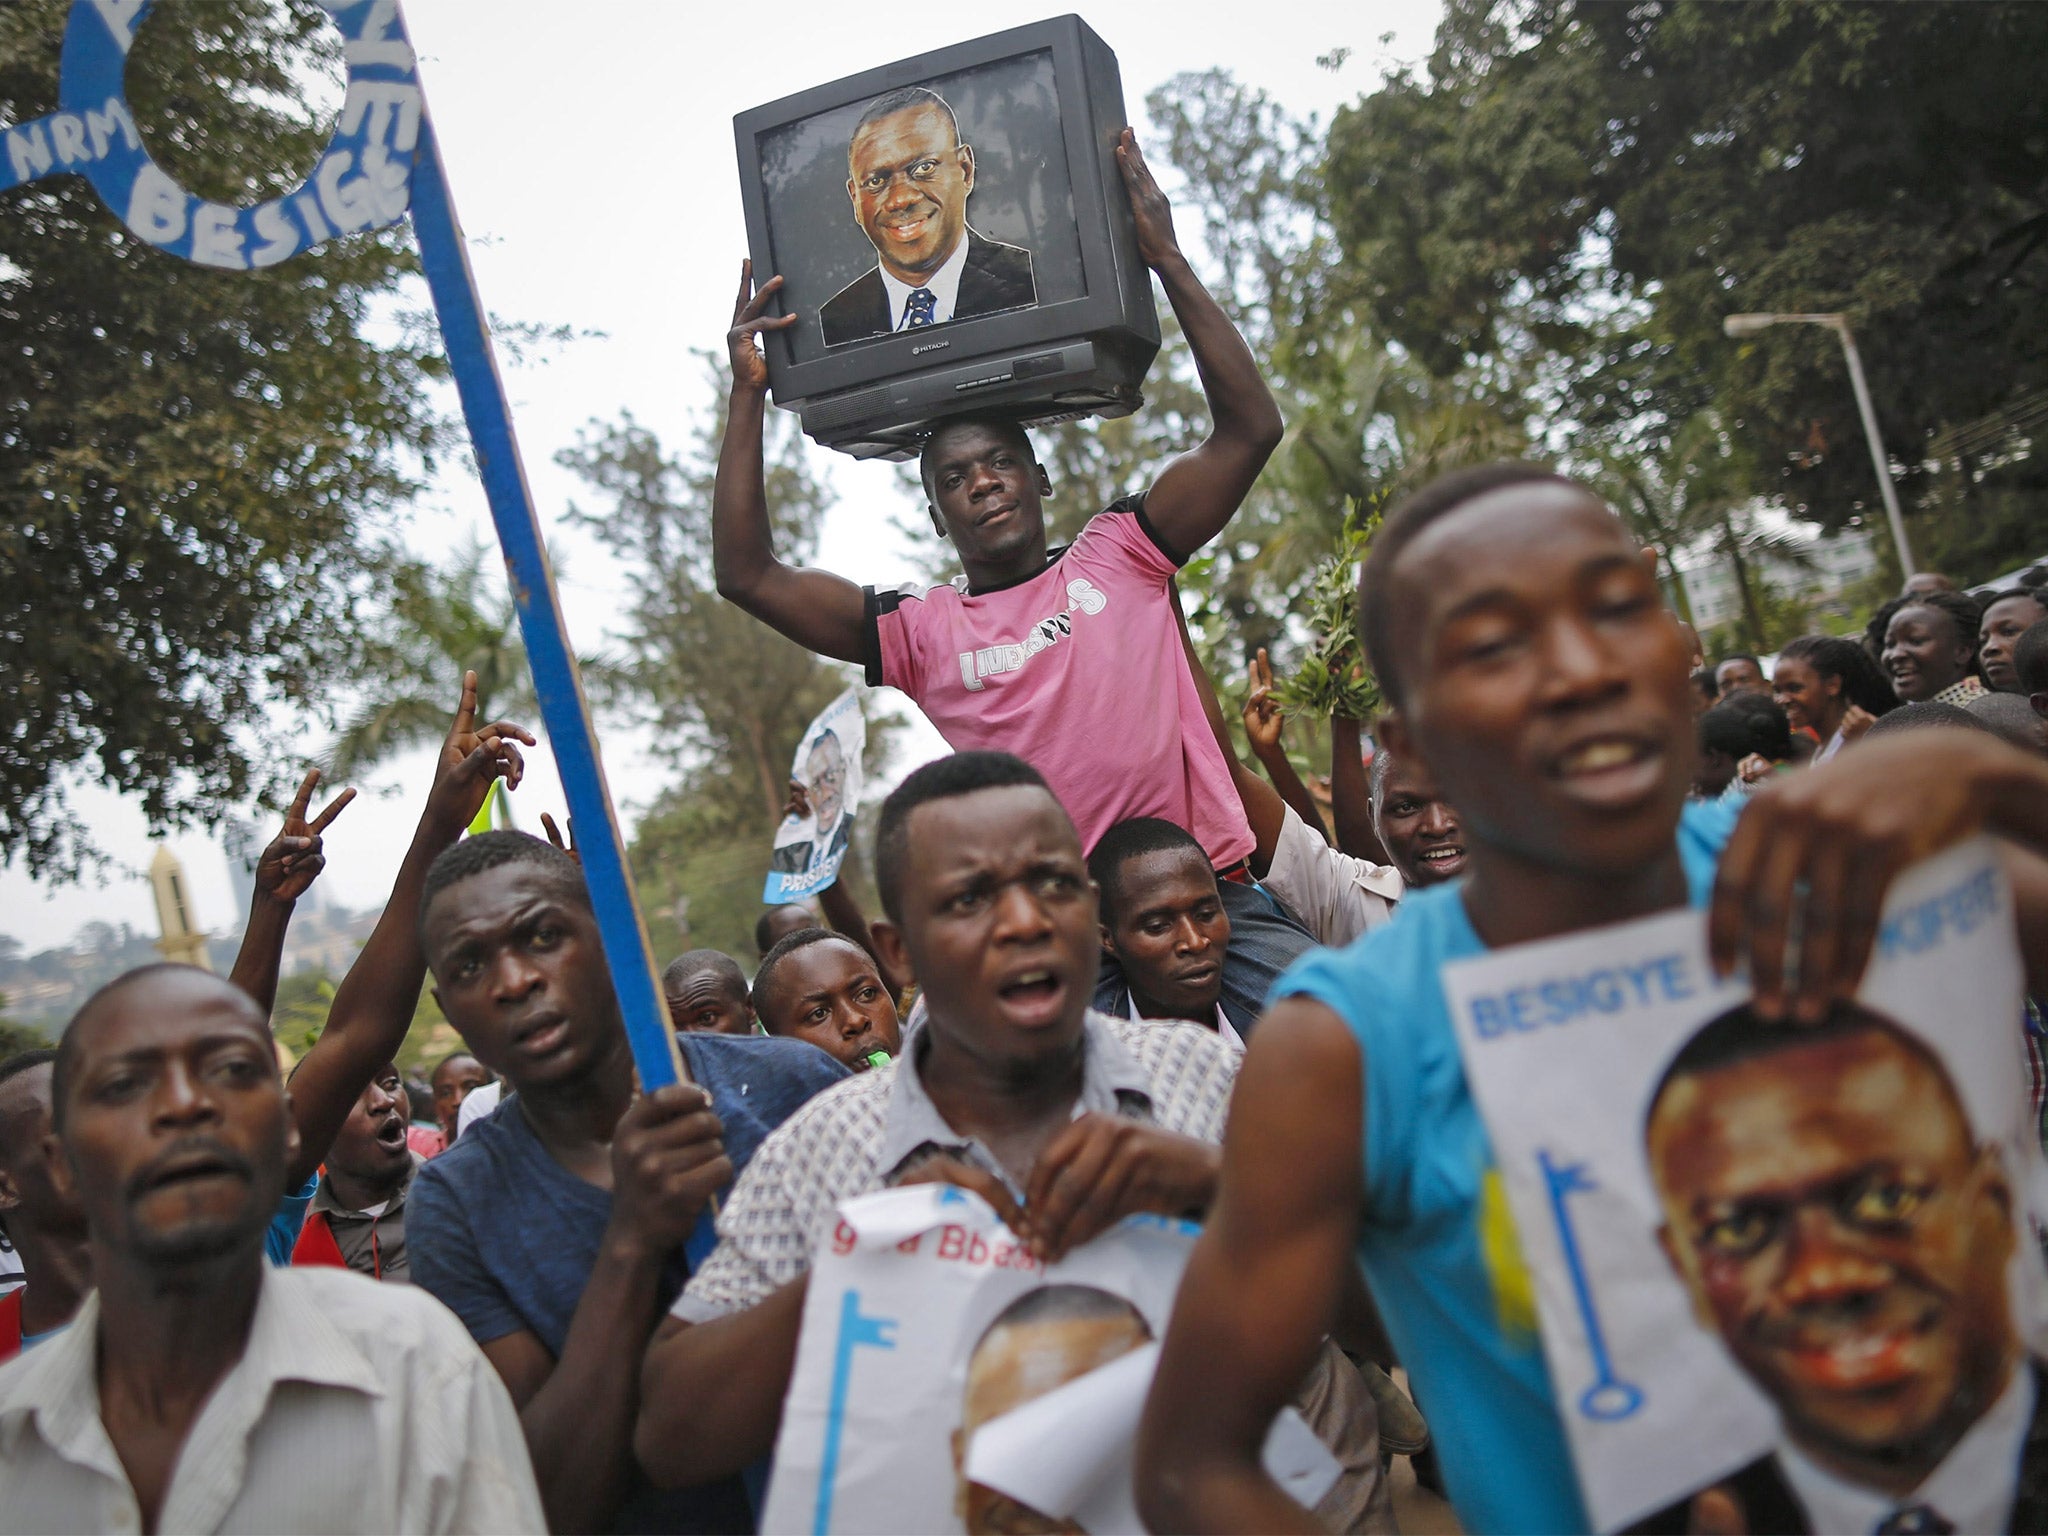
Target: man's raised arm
x,y
816,609
374,1004
1200,491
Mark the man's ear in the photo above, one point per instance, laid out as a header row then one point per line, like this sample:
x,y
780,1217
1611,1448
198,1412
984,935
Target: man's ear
x,y
2040,703
938,522
889,947
966,153
1044,483
852,196
1107,947
10,1197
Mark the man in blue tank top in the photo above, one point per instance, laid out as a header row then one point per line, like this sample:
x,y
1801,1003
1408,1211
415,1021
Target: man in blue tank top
x,y
1523,646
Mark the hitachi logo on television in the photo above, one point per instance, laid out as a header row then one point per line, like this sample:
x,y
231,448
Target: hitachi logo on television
x,y
928,346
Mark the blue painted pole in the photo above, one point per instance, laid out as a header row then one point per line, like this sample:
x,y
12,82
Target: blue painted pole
x,y
563,708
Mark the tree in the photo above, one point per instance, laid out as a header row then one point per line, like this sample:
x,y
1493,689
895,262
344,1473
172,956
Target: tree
x,y
1593,187
438,622
728,697
197,466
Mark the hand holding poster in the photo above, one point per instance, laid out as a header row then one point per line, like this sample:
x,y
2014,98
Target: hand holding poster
x,y
809,848
1793,1271
1024,1381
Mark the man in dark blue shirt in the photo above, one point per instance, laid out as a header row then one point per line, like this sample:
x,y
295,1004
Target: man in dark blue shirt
x,y
554,1228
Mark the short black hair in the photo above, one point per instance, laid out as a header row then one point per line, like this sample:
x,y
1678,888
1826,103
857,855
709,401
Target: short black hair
x,y
465,1054
1409,517
945,778
64,1066
2030,658
904,98
762,943
1739,1035
693,961
994,421
494,850
1928,714
1863,682
1739,656
1746,723
1132,839
786,946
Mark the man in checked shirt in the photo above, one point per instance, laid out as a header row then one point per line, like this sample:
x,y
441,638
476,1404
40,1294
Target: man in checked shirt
x,y
1063,1119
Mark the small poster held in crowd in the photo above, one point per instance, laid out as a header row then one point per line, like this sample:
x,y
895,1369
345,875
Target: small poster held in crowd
x,y
809,849
1786,1276
1025,1381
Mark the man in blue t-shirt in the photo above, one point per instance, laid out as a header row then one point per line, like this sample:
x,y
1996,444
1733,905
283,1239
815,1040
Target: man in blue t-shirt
x,y
1519,636
554,1228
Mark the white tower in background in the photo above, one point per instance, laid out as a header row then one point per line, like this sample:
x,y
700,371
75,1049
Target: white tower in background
x,y
182,941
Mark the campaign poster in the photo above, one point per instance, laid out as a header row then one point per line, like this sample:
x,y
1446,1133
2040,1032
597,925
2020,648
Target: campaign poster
x,y
1787,1277
934,202
1023,1382
809,849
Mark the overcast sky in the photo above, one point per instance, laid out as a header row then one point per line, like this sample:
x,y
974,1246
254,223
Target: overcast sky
x,y
590,156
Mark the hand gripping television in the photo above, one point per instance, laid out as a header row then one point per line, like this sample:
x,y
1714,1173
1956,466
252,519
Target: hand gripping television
x,y
953,235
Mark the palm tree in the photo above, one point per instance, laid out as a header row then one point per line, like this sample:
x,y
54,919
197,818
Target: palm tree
x,y
440,622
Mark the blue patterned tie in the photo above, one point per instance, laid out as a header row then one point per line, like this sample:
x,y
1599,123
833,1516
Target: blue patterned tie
x,y
917,309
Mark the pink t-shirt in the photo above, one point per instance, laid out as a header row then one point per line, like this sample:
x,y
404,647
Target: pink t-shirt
x,y
1080,672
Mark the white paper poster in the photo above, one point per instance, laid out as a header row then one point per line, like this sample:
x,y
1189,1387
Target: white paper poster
x,y
809,849
1782,1263
946,1381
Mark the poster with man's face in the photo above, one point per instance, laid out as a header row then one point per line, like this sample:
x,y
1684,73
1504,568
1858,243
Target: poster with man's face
x,y
810,847
1024,1383
923,206
1786,1276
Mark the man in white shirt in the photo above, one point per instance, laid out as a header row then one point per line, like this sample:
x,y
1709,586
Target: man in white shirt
x,y
1163,921
909,178
165,1406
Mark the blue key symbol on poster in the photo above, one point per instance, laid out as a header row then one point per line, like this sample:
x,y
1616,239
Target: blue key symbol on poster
x,y
1609,1397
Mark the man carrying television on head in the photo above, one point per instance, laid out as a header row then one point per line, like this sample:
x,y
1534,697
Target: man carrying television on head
x,y
1071,660
909,177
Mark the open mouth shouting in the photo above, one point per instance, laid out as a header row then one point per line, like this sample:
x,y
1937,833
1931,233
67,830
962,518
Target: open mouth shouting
x,y
1033,996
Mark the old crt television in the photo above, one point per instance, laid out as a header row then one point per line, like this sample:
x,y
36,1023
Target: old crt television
x,y
954,235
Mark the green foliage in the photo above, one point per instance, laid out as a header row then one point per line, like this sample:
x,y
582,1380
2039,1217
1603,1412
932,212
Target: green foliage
x,y
437,623
300,1010
16,1036
197,467
1586,190
728,698
1333,678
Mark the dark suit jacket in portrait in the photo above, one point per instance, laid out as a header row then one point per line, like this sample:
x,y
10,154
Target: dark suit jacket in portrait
x,y
1769,1504
995,277
795,858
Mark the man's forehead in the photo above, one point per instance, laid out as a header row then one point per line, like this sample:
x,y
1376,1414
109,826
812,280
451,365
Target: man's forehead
x,y
821,966
914,122
28,1090
160,1017
1758,1107
1166,874
1490,538
1014,820
492,898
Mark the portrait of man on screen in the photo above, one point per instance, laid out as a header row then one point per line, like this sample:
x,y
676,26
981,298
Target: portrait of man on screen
x,y
909,178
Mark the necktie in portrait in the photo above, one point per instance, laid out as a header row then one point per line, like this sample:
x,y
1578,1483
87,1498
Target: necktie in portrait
x,y
917,309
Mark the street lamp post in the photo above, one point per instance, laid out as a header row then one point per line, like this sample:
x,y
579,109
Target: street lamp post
x,y
1749,325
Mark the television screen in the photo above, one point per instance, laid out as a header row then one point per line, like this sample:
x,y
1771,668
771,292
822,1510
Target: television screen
x,y
953,234
955,188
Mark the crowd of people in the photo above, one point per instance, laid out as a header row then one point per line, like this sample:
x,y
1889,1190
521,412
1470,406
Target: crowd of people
x,y
1117,970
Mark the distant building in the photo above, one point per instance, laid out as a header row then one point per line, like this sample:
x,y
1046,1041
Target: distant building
x,y
1829,564
182,939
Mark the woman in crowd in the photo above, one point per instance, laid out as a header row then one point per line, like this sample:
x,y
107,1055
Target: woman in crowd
x,y
1930,649
1829,684
2007,616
